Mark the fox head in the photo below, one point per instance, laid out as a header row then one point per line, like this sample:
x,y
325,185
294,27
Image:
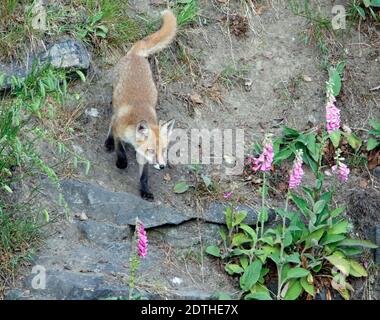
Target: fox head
x,y
152,142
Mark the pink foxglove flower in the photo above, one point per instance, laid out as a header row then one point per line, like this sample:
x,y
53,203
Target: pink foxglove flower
x,y
297,171
142,240
264,161
228,195
342,170
332,115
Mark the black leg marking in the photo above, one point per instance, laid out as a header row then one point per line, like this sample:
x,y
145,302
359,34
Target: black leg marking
x,y
145,193
121,161
110,143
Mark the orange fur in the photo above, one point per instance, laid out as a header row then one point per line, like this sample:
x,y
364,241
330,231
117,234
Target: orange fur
x,y
135,95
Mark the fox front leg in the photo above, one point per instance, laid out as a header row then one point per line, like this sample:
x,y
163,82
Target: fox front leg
x,y
121,155
144,187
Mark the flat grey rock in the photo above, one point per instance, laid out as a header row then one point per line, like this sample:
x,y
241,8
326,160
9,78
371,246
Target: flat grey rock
x,y
102,232
7,72
120,208
123,208
65,54
215,213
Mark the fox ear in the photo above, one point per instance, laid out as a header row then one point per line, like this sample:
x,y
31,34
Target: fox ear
x,y
142,130
167,127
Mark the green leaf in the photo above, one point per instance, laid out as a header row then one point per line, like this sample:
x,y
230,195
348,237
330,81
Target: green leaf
x,y
332,238
358,243
354,141
213,250
207,181
249,231
301,204
375,124
244,261
339,228
372,144
46,215
319,206
336,212
258,292
361,11
251,275
335,138
239,217
294,290
357,270
336,82
233,268
240,238
340,67
293,258
222,234
7,188
290,133
282,155
258,296
313,238
296,273
288,238
181,187
351,251
87,168
308,287
81,75
342,264
222,296
375,3
228,213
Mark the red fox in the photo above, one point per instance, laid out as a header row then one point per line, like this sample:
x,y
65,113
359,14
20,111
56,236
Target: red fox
x,y
134,119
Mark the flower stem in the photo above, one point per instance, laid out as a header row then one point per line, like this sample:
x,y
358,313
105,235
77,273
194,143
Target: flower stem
x,y
135,261
263,204
279,268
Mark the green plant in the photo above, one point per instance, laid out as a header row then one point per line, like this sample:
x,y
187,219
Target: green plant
x,y
31,102
358,8
312,244
374,140
187,12
231,75
201,182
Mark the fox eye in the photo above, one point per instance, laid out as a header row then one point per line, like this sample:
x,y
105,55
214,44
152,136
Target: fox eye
x,y
151,151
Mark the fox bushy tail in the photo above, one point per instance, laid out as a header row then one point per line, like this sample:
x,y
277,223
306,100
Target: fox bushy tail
x,y
158,40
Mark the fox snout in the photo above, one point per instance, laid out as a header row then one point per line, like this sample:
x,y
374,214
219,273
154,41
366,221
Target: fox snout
x,y
159,166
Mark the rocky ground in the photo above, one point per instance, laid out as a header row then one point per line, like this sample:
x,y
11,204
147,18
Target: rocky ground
x,y
87,256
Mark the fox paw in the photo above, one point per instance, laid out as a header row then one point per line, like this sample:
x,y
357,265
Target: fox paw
x,y
147,195
121,164
110,145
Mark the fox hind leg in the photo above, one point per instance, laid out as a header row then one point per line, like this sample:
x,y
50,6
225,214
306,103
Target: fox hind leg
x,y
110,141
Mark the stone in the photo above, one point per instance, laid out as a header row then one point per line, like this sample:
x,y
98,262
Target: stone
x,y
120,208
67,54
215,213
376,172
103,232
7,72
